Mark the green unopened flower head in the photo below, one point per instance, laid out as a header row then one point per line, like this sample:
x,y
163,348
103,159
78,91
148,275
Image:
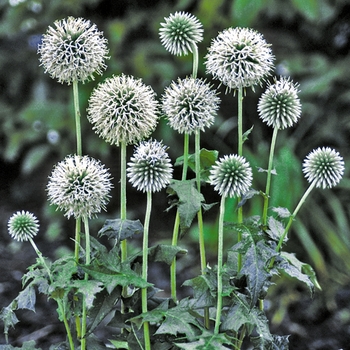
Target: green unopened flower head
x,y
79,186
23,226
231,175
123,109
180,32
324,166
279,106
239,58
189,105
73,51
150,168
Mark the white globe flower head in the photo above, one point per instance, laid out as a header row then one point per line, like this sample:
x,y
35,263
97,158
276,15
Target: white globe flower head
x,y
123,109
190,105
231,176
73,51
324,166
150,168
279,106
239,58
79,186
23,226
180,32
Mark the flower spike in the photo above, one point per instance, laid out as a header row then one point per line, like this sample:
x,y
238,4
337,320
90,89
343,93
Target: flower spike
x,y
239,58
189,105
23,226
73,51
150,168
324,166
180,32
80,186
279,106
123,109
231,175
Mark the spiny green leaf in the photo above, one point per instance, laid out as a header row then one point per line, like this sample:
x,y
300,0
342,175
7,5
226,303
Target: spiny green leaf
x,y
275,229
28,345
121,229
189,201
203,290
8,317
246,134
282,212
278,342
207,341
120,344
294,268
89,288
26,298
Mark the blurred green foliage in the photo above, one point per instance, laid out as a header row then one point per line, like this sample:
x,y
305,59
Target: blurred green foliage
x,y
311,42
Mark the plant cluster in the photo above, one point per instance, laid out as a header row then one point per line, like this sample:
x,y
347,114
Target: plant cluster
x,y
105,284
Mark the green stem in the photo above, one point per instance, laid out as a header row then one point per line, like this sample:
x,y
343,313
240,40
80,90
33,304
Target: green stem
x,y
87,262
177,223
59,301
268,181
145,269
77,117
77,239
301,202
195,60
219,267
123,195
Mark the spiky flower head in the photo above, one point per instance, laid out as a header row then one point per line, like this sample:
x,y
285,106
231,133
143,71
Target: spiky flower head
x,y
79,186
279,106
73,51
123,109
239,58
231,175
324,166
23,226
189,105
150,168
180,33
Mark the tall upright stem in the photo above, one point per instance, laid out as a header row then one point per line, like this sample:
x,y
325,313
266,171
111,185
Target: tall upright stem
x,y
195,60
123,195
145,268
177,223
268,181
77,117
219,267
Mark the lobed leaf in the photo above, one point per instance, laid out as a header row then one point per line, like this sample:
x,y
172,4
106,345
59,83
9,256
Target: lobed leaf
x,y
119,229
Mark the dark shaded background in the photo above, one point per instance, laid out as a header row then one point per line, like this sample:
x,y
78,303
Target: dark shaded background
x,y
311,41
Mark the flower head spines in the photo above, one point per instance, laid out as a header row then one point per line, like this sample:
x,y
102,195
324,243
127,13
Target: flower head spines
x,y
231,175
324,166
190,105
180,32
73,51
150,168
23,226
123,109
79,186
279,106
239,58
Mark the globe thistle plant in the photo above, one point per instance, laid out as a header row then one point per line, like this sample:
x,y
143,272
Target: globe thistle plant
x,y
279,106
73,51
180,33
150,168
231,176
79,186
324,167
190,105
23,226
123,110
239,58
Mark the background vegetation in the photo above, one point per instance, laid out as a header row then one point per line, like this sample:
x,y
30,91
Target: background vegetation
x,y
311,42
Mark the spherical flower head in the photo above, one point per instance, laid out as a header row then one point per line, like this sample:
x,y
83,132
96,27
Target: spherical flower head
x,y
79,186
239,58
279,106
23,226
73,51
150,168
190,105
123,109
180,33
324,166
231,175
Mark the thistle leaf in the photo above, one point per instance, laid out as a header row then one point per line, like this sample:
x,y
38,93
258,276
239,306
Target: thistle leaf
x,y
120,229
26,298
89,289
207,341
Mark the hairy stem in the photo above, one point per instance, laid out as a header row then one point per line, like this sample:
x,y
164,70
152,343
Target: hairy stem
x,y
77,117
123,194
